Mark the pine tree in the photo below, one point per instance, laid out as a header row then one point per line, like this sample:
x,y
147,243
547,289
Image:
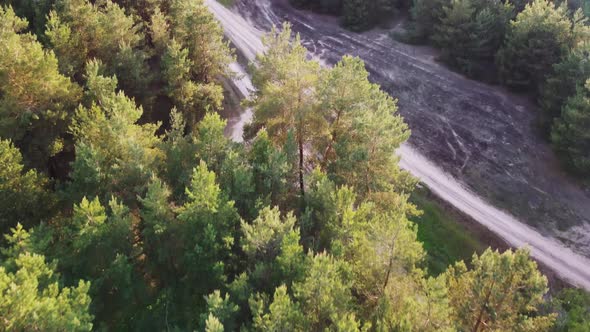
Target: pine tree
x,y
364,131
358,15
262,243
205,233
222,309
271,167
159,31
114,155
195,28
36,121
19,190
538,38
570,135
34,11
426,15
191,97
471,32
282,314
79,30
324,294
501,292
568,76
286,98
31,298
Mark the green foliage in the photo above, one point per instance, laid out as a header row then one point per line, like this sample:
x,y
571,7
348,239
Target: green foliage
x,y
364,131
426,16
262,239
222,307
570,135
471,32
324,294
114,155
201,233
211,143
271,246
143,8
568,76
31,299
213,324
285,99
271,167
207,225
20,190
34,11
96,246
35,122
501,291
350,122
159,30
180,155
191,98
79,30
539,36
574,308
157,217
282,314
193,26
357,15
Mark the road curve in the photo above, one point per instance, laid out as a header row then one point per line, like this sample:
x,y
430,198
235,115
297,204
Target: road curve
x,y
570,266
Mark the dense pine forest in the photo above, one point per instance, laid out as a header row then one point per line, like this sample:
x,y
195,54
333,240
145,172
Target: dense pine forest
x,y
124,207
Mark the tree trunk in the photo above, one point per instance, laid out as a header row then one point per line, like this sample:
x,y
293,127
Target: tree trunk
x,y
482,308
301,186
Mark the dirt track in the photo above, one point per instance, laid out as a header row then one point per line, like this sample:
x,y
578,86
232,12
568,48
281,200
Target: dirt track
x,y
480,135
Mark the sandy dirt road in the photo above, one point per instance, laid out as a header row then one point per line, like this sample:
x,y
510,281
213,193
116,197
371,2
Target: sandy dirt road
x,y
244,27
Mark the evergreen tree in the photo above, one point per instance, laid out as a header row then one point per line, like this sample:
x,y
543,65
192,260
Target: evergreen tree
x,y
213,324
324,294
574,304
470,33
34,11
364,131
159,31
285,99
36,121
262,243
195,28
157,217
180,156
114,155
358,15
568,76
205,234
190,97
426,16
570,135
501,292
271,168
96,245
538,38
79,30
20,190
31,298
282,314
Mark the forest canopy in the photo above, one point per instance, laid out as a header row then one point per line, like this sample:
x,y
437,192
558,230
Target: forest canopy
x,y
125,207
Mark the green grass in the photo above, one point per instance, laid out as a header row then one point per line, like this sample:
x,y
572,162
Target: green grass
x,y
226,3
445,239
